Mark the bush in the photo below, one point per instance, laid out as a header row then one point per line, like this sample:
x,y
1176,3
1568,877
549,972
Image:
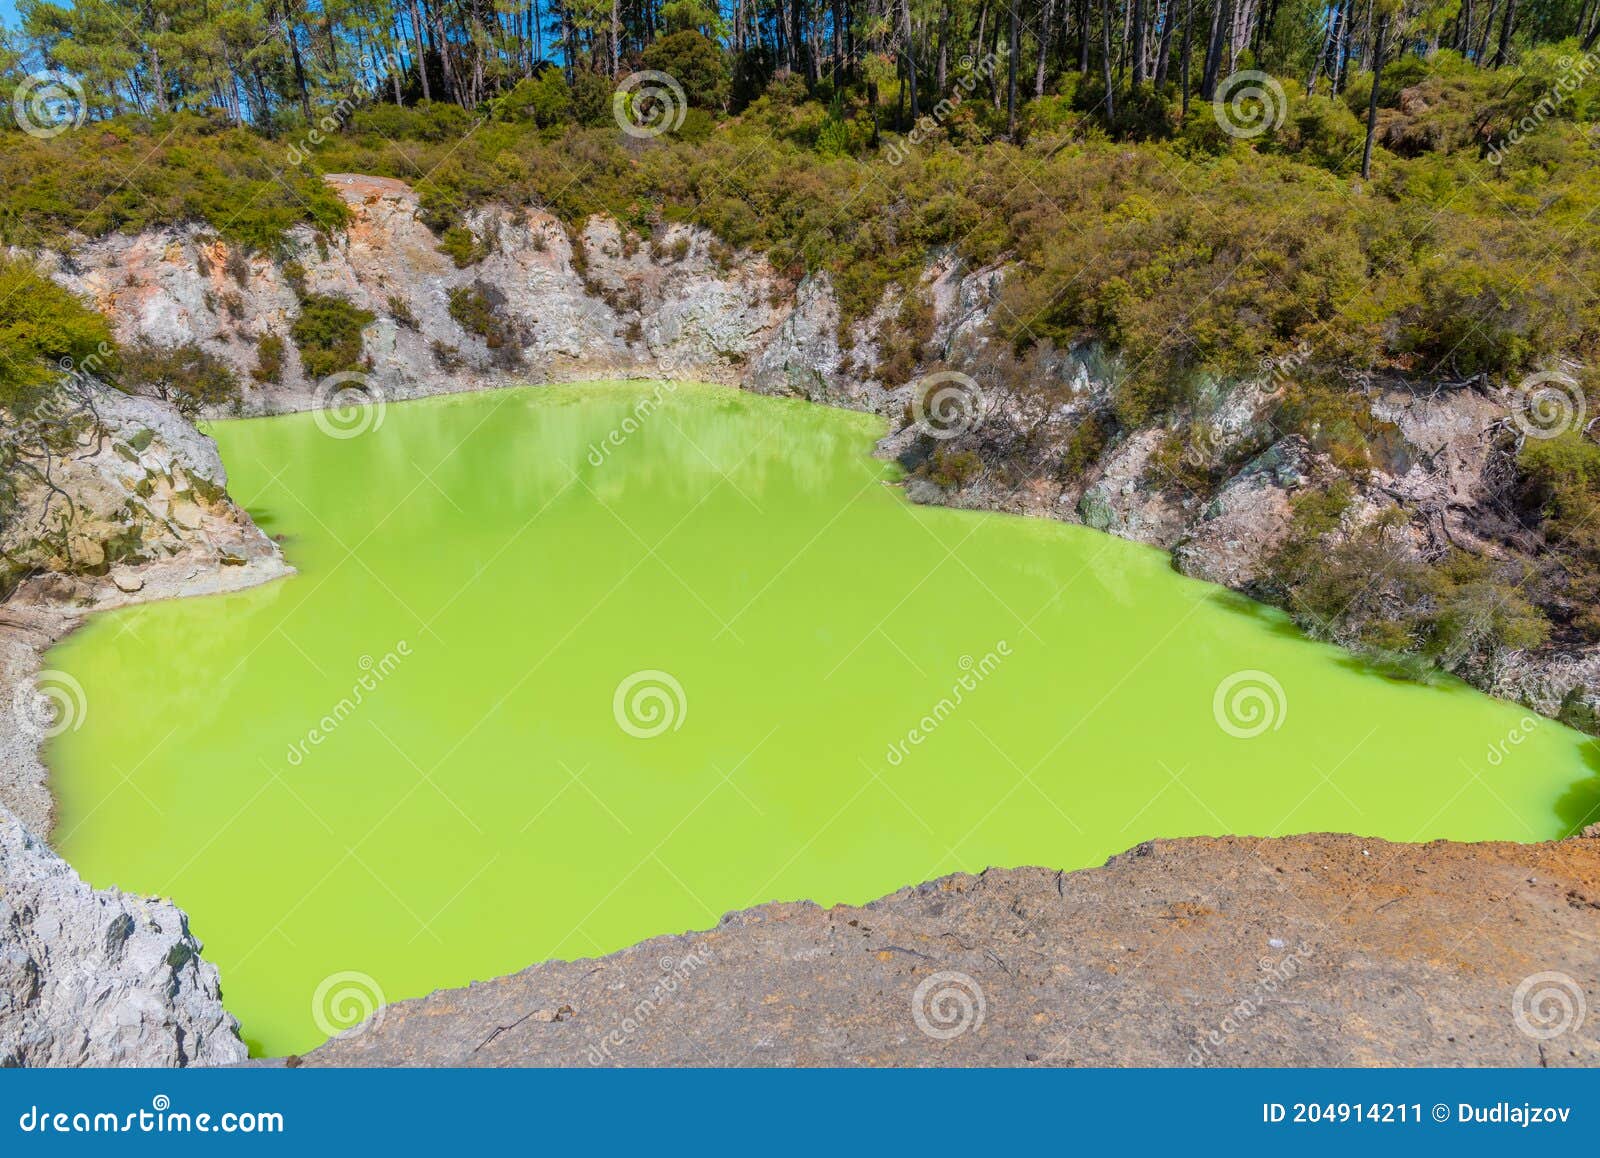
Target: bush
x,y
461,246
269,359
476,309
186,376
328,335
43,328
695,63
545,100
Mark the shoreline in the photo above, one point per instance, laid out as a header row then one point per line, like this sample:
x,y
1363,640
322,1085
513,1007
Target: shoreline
x,y
46,610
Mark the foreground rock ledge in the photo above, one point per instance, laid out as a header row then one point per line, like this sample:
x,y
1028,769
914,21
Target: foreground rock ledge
x,y
1309,950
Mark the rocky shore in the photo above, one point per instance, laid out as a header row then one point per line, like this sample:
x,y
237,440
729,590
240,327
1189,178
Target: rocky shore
x,y
1315,950
99,977
1093,977
606,302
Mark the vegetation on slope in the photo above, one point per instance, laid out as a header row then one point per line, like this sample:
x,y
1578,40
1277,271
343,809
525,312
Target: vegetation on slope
x,y
1403,189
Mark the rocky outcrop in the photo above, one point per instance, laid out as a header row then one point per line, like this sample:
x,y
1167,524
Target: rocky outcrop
x,y
1309,950
134,508
136,483
99,978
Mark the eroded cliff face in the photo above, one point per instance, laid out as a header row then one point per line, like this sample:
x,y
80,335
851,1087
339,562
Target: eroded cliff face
x,y
135,508
139,509
609,302
99,977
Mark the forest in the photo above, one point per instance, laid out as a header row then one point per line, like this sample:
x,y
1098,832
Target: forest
x,y
264,62
1195,191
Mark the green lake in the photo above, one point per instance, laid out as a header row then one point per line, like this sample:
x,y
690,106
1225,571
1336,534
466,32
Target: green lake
x,y
565,667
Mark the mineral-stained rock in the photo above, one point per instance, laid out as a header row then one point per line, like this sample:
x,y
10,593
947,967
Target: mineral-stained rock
x,y
98,977
1310,950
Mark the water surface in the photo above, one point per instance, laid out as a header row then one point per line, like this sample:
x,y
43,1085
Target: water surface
x,y
409,766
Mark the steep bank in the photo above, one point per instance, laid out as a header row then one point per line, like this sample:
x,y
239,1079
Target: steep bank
x,y
619,309
87,976
540,304
1310,950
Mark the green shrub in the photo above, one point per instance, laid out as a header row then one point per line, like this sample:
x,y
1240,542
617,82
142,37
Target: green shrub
x,y
186,376
476,309
328,335
462,247
269,359
695,63
44,329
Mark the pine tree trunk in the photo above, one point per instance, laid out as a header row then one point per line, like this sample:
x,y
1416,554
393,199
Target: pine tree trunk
x,y
1372,101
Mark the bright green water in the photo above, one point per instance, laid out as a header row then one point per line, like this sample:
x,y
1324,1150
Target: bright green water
x,y
482,808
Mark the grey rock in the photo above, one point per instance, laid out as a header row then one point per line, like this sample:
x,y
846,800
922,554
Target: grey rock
x,y
1314,950
98,977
